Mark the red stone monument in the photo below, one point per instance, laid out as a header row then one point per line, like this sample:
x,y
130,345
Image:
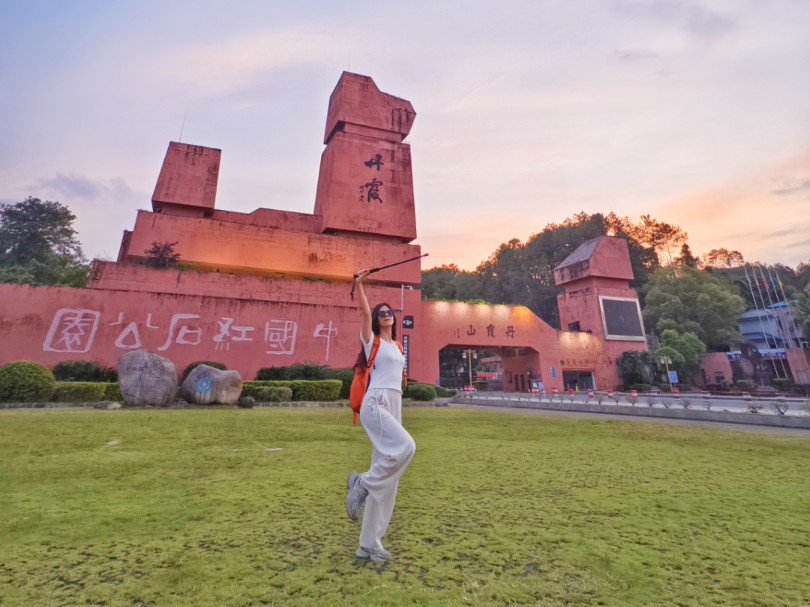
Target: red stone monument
x,y
271,288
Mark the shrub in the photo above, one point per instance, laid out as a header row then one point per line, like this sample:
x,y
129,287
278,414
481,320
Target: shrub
x,y
309,371
112,391
273,394
79,392
162,255
782,384
273,374
324,390
25,381
744,385
421,392
246,402
641,387
345,377
444,392
83,370
194,365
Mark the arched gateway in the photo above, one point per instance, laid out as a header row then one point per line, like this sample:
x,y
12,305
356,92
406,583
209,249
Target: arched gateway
x,y
271,288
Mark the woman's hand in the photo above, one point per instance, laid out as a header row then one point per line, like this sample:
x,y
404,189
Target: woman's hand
x,y
361,276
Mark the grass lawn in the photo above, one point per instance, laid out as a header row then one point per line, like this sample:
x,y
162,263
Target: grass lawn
x,y
246,507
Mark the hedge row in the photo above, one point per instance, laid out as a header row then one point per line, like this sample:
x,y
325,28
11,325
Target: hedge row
x,y
86,392
302,390
420,392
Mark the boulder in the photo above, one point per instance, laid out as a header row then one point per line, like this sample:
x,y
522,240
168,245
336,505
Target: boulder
x,y
209,386
146,379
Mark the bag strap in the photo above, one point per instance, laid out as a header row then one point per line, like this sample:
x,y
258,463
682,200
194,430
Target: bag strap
x,y
375,345
404,373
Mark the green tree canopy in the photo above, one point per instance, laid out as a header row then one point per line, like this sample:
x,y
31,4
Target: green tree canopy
x,y
685,299
524,273
450,283
38,244
685,350
801,308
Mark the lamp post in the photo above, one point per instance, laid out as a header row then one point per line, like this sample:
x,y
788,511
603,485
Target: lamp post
x,y
666,362
402,302
470,355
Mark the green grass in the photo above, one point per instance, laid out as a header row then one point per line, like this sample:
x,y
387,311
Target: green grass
x,y
199,507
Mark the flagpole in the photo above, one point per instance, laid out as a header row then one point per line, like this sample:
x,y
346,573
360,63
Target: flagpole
x,y
785,338
771,303
761,324
805,367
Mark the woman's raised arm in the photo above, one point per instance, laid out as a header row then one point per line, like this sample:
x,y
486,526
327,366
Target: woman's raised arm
x,y
365,310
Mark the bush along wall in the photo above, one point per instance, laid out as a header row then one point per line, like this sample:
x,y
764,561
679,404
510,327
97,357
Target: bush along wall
x,y
302,390
26,382
79,392
420,392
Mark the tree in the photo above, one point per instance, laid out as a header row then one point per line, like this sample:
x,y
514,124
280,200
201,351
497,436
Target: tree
x,y
689,349
162,255
38,244
803,275
638,368
659,236
723,258
524,273
689,300
686,258
448,282
801,306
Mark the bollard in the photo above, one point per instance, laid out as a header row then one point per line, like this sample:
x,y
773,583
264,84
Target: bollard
x,y
633,396
610,394
707,400
676,394
590,394
556,393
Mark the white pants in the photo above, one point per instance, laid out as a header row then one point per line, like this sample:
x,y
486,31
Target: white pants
x,y
392,449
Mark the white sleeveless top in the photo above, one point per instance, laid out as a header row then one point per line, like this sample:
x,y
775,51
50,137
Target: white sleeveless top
x,y
388,365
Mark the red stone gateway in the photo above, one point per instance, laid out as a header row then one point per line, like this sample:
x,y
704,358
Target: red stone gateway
x,y
271,288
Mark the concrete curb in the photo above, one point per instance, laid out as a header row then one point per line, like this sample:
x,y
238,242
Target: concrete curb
x,y
757,419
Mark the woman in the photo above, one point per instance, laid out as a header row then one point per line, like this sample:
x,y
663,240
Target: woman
x,y
392,448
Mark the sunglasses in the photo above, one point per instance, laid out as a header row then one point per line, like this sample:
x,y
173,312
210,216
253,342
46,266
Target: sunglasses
x,y
385,314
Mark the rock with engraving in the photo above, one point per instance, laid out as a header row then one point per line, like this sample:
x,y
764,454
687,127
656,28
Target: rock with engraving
x,y
209,386
146,379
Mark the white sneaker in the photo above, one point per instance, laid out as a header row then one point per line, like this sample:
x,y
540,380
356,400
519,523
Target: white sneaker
x,y
378,555
356,496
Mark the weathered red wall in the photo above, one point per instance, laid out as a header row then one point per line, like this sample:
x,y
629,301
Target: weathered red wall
x,y
238,246
54,324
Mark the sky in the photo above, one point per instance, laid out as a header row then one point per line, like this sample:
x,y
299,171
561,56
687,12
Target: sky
x,y
694,112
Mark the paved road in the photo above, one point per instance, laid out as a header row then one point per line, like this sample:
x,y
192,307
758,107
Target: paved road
x,y
732,405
